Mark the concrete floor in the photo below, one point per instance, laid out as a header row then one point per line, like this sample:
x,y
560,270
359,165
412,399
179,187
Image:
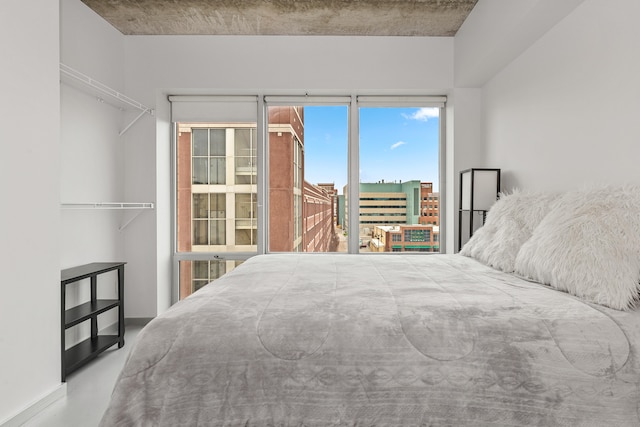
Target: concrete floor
x,y
88,390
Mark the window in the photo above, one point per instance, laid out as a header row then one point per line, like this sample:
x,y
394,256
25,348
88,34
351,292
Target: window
x,y
217,211
215,187
246,222
276,174
214,226
417,249
209,219
196,274
307,146
208,156
423,235
245,156
399,161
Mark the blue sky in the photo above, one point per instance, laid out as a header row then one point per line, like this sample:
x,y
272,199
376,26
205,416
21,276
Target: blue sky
x,y
395,144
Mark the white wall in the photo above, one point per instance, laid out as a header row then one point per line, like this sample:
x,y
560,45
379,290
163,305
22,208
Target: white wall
x,y
465,149
91,150
29,218
497,31
250,63
565,113
91,153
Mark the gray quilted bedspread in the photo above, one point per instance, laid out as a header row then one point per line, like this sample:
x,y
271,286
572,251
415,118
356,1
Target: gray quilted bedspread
x,y
352,340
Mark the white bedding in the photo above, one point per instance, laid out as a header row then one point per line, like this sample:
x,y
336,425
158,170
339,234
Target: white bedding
x,y
320,339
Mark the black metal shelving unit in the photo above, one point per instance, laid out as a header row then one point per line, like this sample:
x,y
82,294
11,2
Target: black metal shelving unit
x,y
83,352
467,216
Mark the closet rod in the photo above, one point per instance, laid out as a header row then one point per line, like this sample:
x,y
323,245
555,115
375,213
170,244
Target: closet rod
x,y
107,205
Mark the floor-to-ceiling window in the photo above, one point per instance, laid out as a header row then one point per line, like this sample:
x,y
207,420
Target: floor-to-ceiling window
x,y
399,150
216,186
307,156
276,174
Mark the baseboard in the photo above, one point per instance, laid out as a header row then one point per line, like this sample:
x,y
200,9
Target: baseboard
x,y
137,321
35,407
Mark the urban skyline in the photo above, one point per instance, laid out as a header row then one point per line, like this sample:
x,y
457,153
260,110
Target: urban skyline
x,y
217,185
396,144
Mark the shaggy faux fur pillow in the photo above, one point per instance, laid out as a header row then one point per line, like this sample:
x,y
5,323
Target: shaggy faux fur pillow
x,y
510,222
589,246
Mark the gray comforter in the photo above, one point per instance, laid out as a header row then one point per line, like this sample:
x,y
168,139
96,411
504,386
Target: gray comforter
x,y
322,340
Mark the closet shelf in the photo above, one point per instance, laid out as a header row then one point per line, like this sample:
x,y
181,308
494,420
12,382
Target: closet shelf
x,y
102,92
140,207
107,205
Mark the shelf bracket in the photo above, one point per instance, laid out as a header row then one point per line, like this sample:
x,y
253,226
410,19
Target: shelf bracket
x,y
135,120
123,226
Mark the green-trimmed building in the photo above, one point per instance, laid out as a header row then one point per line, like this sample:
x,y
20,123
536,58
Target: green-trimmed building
x,y
386,203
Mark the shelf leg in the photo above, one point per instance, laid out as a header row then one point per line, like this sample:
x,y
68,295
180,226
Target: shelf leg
x,y
121,308
94,298
63,367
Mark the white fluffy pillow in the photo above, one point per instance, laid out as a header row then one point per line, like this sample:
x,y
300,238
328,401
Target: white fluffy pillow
x,y
510,222
589,246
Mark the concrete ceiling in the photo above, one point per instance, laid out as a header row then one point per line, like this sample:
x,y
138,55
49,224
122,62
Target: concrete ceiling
x,y
285,17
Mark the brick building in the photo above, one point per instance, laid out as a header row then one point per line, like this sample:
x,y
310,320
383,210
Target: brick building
x,y
405,238
217,194
429,205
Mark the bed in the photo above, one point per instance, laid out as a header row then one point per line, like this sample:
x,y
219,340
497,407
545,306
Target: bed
x,y
394,340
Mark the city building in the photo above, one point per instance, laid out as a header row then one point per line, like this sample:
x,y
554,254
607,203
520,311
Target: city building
x,y
301,214
319,232
216,197
394,203
286,177
217,194
332,192
389,203
341,213
429,205
405,238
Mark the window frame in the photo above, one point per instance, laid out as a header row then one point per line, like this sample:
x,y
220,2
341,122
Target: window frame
x,y
207,109
353,102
